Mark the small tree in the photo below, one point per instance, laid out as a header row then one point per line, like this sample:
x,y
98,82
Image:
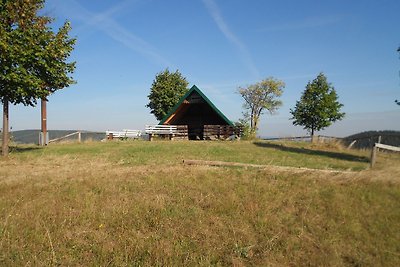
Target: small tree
x,y
260,97
318,107
32,57
165,92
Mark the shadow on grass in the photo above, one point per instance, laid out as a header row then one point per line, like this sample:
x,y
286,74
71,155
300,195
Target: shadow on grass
x,y
17,149
306,151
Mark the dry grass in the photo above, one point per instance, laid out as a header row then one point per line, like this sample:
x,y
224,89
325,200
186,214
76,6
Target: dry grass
x,y
110,205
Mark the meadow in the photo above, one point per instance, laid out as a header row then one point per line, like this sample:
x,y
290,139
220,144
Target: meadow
x,y
134,203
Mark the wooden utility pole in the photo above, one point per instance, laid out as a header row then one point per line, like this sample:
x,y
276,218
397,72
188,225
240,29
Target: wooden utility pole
x,y
43,139
4,148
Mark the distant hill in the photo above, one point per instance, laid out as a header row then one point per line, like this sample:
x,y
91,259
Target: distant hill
x,y
369,138
32,136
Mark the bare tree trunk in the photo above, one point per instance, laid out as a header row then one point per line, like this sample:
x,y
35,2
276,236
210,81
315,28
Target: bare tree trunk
x,y
252,120
44,122
253,127
312,136
255,124
4,148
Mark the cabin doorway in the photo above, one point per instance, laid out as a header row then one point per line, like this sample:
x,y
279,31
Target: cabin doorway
x,y
195,132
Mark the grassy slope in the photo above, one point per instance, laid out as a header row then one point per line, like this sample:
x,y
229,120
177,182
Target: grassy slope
x,y
134,203
166,153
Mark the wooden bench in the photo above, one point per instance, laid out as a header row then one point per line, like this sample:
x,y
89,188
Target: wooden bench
x,y
172,131
132,134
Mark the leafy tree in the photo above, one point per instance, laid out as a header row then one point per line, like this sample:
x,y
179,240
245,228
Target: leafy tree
x,y
318,107
32,57
166,90
260,97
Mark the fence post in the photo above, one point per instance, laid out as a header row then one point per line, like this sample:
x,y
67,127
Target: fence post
x,y
79,137
379,141
373,156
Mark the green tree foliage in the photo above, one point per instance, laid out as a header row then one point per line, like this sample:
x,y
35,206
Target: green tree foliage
x,y
260,97
33,58
166,90
318,107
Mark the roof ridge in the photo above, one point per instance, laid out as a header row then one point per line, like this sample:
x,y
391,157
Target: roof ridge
x,y
191,90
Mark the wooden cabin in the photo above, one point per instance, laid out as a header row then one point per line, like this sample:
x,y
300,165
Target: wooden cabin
x,y
200,115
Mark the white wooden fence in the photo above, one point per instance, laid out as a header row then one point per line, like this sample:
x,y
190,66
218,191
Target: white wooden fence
x,y
161,129
170,131
381,146
132,134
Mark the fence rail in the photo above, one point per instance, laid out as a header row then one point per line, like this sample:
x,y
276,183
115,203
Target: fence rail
x,y
170,131
381,146
221,131
387,147
133,134
66,136
306,137
287,138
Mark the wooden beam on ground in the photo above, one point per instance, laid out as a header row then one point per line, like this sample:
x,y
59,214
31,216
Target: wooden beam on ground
x,y
246,165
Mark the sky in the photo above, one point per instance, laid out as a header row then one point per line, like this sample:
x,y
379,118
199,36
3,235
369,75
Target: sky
x,y
220,45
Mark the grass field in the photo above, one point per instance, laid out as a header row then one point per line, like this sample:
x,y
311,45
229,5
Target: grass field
x,y
136,204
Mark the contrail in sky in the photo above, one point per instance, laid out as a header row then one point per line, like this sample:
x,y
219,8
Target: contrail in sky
x,y
223,27
105,23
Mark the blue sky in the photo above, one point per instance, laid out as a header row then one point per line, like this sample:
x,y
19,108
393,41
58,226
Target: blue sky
x,y
220,45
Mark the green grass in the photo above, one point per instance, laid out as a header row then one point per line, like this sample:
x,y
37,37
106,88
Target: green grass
x,y
164,152
136,204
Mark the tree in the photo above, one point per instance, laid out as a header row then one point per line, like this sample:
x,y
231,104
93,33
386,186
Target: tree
x,y
318,107
166,90
32,57
260,97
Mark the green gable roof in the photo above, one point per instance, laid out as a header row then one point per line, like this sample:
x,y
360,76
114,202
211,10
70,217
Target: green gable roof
x,y
195,89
